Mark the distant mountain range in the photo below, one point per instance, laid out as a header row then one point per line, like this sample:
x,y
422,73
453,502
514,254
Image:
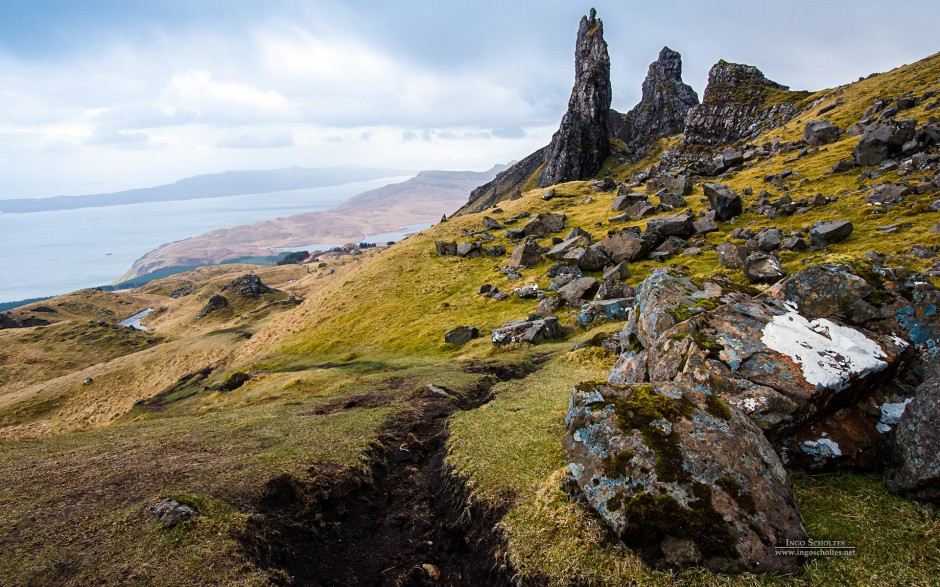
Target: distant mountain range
x,y
215,185
421,199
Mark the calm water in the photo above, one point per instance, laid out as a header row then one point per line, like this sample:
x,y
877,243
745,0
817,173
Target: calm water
x,y
51,253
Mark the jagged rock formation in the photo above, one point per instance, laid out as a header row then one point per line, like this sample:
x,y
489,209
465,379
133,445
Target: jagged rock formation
x,y
582,142
739,102
662,109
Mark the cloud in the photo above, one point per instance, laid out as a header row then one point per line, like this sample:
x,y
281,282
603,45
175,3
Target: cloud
x,y
197,95
262,139
119,139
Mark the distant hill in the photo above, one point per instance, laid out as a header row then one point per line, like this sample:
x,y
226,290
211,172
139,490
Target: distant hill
x,y
423,198
214,185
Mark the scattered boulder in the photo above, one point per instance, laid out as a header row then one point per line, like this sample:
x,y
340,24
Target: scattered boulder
x,y
679,225
526,254
704,226
445,249
491,224
676,185
681,476
763,268
882,141
672,201
821,132
620,271
534,329
579,291
885,194
826,233
723,200
469,250
566,246
625,245
591,258
729,255
629,201
461,335
611,309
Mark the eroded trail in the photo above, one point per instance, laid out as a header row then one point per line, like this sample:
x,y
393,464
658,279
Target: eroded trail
x,y
405,524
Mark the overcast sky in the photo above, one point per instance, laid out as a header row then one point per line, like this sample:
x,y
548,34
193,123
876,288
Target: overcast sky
x,y
104,95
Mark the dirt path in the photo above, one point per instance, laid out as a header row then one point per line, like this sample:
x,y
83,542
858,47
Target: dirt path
x,y
401,529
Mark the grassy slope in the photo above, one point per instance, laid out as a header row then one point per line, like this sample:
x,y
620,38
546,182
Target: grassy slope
x,y
383,321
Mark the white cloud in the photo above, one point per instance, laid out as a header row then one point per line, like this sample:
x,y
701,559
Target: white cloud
x,y
258,139
198,93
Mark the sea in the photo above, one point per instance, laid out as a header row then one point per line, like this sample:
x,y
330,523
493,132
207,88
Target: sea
x,y
52,253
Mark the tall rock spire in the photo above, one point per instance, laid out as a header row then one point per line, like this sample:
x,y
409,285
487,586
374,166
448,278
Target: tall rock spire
x,y
582,142
662,109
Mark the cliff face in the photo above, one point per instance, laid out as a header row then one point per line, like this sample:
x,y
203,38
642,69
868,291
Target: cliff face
x,y
582,143
739,102
662,109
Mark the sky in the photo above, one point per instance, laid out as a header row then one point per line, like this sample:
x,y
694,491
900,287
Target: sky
x,y
105,95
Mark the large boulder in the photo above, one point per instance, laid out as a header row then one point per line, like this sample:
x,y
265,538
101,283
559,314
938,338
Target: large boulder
x,y
543,224
579,291
679,225
783,369
723,200
681,476
882,141
534,329
566,246
915,471
590,258
825,233
626,245
821,132
677,185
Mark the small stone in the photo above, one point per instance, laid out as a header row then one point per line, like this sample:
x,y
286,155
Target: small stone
x,y
434,573
763,268
412,441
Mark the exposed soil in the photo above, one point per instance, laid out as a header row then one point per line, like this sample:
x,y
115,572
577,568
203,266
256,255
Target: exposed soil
x,y
405,522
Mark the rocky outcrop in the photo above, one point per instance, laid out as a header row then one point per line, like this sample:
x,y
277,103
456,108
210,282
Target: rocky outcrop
x,y
662,109
681,476
582,142
249,286
738,103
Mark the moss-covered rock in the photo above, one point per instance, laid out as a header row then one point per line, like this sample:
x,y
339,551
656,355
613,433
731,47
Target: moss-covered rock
x,y
681,477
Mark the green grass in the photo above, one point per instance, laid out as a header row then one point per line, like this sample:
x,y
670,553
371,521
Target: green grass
x,y
510,453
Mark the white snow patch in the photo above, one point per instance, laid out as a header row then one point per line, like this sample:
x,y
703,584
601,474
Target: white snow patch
x,y
891,414
828,354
